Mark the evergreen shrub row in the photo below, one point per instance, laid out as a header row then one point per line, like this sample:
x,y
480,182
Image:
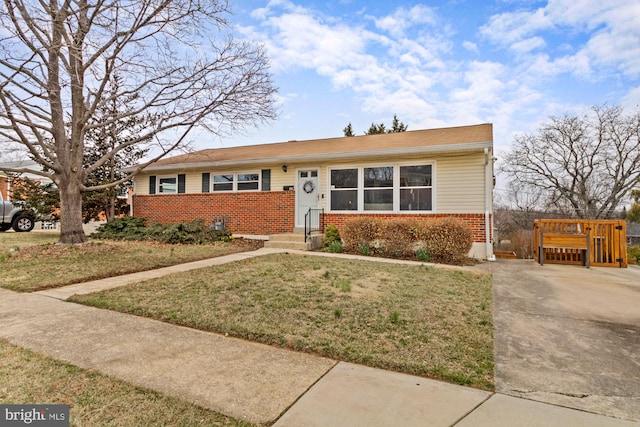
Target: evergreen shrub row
x,y
132,228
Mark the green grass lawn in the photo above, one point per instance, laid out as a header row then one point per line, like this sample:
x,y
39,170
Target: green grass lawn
x,y
31,261
415,319
94,399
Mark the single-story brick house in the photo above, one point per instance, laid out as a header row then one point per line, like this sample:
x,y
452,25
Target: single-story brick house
x,y
267,189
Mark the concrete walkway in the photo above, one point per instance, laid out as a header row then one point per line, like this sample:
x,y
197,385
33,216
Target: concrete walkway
x,y
250,381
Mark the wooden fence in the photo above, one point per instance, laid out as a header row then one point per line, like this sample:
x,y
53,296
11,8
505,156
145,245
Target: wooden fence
x,y
600,243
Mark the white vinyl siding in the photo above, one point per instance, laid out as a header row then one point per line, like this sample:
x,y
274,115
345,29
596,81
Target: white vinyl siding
x,y
460,185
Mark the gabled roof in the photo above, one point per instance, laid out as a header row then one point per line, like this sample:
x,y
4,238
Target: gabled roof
x,y
443,140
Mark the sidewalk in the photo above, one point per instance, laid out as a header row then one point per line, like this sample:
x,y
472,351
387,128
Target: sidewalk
x,y
251,381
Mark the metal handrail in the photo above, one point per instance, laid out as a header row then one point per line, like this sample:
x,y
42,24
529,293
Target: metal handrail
x,y
313,221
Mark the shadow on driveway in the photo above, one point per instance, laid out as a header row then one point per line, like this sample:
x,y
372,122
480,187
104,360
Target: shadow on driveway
x,y
569,335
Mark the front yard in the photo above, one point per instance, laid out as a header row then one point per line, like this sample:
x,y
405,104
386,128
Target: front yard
x,y
31,261
415,319
418,319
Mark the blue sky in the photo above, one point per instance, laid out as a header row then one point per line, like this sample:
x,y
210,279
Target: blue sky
x,y
513,63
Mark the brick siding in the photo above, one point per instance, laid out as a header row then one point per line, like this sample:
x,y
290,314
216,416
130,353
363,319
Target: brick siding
x,y
260,212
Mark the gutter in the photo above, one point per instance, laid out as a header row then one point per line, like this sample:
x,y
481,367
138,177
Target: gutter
x,y
299,158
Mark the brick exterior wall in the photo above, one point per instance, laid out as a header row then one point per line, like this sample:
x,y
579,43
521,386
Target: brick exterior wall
x,y
260,212
475,221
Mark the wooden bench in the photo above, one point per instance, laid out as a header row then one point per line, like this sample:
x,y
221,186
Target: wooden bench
x,y
579,241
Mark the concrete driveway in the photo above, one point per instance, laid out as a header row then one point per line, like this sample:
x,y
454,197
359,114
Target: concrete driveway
x,y
569,335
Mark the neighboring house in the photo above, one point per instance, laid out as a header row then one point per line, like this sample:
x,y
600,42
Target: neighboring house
x,y
633,233
267,189
7,179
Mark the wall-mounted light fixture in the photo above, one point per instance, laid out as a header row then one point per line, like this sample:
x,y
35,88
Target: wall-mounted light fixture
x,y
284,168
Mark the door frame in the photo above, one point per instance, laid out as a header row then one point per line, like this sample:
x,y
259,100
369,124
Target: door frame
x,y
297,212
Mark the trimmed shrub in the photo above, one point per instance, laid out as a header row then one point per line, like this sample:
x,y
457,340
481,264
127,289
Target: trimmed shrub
x,y
357,232
448,240
331,235
396,238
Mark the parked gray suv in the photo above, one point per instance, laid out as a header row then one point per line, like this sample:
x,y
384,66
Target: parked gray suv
x,y
12,216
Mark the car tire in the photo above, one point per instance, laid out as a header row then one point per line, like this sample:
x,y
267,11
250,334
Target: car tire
x,y
23,223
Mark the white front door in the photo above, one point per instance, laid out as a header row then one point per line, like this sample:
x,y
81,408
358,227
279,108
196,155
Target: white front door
x,y
307,192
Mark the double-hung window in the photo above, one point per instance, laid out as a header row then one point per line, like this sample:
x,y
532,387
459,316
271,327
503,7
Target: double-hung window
x,y
416,188
248,181
344,189
167,185
223,182
378,188
236,182
385,188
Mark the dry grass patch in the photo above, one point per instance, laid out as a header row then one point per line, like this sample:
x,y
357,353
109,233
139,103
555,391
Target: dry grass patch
x,y
415,319
11,241
52,265
94,399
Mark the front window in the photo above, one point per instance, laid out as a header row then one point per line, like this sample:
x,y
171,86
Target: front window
x,y
378,189
168,185
394,188
248,181
344,190
236,182
415,188
223,183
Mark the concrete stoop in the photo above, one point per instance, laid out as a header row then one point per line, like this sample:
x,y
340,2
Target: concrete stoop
x,y
294,241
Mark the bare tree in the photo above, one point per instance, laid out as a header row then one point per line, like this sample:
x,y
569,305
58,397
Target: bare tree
x,y
177,62
589,163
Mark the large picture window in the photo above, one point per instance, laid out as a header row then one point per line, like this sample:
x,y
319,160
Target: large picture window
x,y
386,188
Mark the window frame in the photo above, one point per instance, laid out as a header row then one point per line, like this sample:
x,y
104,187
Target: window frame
x,y
235,182
396,187
159,186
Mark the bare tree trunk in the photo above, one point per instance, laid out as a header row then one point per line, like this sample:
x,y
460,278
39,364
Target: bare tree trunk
x,y
71,231
111,211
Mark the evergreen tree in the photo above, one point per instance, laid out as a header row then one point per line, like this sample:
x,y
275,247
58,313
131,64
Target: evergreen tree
x,y
377,129
348,131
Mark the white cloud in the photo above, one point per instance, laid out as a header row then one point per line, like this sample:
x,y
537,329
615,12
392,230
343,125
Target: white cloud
x,y
605,34
470,46
402,19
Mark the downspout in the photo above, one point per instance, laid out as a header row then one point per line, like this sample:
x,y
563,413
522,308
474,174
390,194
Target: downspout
x,y
488,189
130,192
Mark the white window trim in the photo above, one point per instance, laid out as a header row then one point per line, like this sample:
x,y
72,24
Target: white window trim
x,y
160,178
396,187
234,186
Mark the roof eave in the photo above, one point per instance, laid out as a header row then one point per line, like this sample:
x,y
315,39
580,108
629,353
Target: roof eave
x,y
300,158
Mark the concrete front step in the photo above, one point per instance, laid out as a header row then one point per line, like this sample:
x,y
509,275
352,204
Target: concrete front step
x,y
301,246
294,241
